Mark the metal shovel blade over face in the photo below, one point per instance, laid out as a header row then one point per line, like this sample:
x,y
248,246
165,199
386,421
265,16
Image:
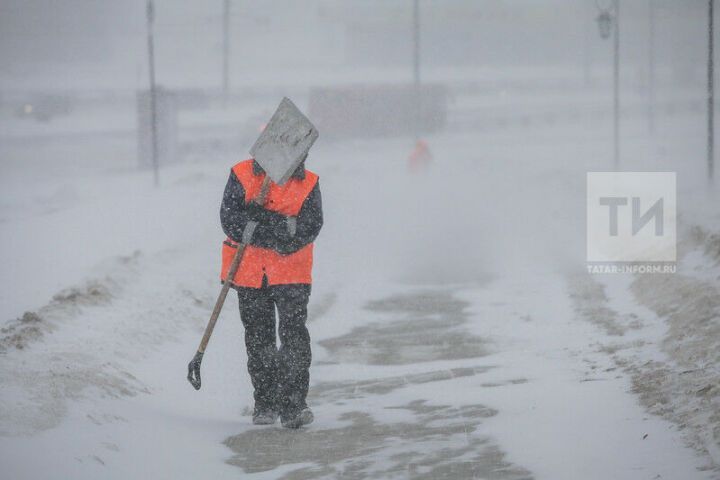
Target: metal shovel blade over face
x,y
285,142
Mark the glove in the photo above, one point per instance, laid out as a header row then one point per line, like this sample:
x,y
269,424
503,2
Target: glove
x,y
265,217
255,212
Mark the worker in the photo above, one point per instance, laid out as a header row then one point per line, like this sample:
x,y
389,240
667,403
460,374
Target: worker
x,y
275,273
420,158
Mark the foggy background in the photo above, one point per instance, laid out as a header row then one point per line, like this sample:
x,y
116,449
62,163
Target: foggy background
x,y
76,45
497,72
454,203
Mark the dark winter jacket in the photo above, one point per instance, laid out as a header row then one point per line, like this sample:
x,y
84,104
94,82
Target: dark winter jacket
x,y
273,230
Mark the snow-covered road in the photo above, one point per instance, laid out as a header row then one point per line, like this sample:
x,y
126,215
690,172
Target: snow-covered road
x,y
447,343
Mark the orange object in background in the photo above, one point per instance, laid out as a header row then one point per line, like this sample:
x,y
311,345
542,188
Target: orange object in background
x,y
420,157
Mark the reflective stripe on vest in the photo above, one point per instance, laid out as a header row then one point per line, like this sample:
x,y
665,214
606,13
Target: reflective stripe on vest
x,y
279,269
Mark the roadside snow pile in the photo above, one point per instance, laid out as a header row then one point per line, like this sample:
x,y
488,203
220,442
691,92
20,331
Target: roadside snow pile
x,y
664,331
32,326
690,304
591,303
36,388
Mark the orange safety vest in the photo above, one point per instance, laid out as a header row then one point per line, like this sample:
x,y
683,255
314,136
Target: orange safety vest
x,y
286,199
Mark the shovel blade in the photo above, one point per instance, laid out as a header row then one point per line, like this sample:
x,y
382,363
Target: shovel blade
x,y
285,142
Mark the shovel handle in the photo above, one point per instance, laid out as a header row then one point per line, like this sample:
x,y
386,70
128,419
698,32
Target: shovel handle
x,y
260,200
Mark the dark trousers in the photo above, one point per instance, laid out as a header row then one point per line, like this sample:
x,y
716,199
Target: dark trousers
x,y
280,376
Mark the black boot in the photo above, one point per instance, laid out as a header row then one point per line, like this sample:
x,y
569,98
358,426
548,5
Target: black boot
x,y
298,418
264,416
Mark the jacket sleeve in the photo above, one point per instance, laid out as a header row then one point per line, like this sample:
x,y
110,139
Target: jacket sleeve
x,y
308,224
234,215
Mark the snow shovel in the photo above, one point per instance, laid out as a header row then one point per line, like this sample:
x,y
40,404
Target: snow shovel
x,y
279,150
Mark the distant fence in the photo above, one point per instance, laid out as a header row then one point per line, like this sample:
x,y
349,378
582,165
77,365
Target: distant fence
x,y
378,110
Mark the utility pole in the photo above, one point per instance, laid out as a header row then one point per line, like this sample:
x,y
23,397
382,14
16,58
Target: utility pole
x,y
226,50
616,85
416,42
651,66
710,95
586,60
416,68
153,93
